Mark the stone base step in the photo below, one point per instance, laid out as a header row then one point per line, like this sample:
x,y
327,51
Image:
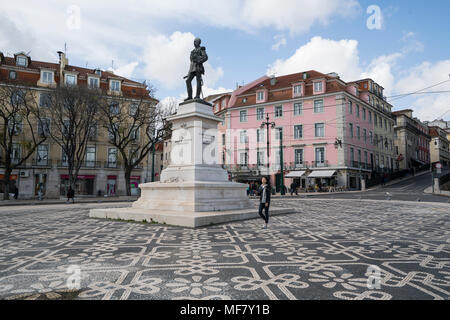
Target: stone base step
x,y
182,219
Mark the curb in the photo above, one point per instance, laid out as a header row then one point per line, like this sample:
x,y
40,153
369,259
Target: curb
x,y
439,204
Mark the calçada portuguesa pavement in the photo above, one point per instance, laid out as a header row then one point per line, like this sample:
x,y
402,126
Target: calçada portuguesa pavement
x,y
326,249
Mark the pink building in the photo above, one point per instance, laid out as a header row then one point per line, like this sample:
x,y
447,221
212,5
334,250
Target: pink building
x,y
333,133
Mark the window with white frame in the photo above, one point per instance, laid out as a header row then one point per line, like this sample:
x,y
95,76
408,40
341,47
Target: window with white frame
x,y
45,100
70,79
365,135
319,129
114,107
115,85
15,124
297,90
260,114
12,75
243,158
350,129
350,107
92,133
134,107
358,132
298,131
359,156
365,157
278,111
42,155
90,156
243,116
260,96
364,113
352,156
370,116
357,110
47,76
260,158
298,108
320,155
112,157
16,153
318,106
278,133
259,135
298,157
318,86
44,127
94,83
243,136
22,61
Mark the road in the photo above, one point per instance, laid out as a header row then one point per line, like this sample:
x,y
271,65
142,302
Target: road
x,y
407,190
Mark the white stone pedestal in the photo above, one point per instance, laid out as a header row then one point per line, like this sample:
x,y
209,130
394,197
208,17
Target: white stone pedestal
x,y
193,190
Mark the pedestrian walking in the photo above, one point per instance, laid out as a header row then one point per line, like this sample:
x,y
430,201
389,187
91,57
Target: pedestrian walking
x,y
264,201
16,192
294,189
40,192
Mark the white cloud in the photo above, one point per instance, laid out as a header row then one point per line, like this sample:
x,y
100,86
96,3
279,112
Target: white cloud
x,y
427,106
324,56
380,70
342,56
294,16
166,60
126,70
280,41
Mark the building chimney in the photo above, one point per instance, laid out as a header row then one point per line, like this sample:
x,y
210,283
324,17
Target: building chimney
x,y
273,80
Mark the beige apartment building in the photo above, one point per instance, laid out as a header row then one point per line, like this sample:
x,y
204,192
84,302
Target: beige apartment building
x,y
102,171
412,140
439,146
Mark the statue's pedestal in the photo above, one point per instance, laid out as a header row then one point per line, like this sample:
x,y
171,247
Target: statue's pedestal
x,y
194,190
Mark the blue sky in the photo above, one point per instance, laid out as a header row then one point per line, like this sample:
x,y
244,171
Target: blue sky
x,y
244,39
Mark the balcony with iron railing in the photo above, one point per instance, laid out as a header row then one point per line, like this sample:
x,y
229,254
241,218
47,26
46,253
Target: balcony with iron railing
x,y
297,165
41,163
319,164
112,164
84,164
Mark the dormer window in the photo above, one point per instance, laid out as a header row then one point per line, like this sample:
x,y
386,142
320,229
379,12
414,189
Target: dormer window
x,y
70,79
47,76
318,87
98,72
22,61
94,83
260,95
115,85
297,90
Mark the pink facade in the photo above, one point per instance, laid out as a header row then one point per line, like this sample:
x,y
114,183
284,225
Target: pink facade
x,y
328,129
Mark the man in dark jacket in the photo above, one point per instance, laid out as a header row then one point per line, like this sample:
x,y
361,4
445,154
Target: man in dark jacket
x,y
264,201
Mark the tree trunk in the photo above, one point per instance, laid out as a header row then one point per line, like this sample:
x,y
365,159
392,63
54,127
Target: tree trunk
x,y
127,180
6,181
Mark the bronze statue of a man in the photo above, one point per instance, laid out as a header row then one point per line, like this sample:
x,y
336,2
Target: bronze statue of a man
x,y
198,57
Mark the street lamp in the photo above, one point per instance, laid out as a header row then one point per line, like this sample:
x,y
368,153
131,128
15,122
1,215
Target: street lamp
x,y
268,124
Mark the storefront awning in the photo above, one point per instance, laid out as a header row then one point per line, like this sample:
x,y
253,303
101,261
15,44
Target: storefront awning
x,y
295,174
322,174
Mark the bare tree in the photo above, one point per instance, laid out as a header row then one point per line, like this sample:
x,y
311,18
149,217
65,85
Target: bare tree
x,y
19,137
70,121
134,127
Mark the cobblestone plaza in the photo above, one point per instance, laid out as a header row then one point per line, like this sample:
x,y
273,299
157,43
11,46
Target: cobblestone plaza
x,y
326,249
